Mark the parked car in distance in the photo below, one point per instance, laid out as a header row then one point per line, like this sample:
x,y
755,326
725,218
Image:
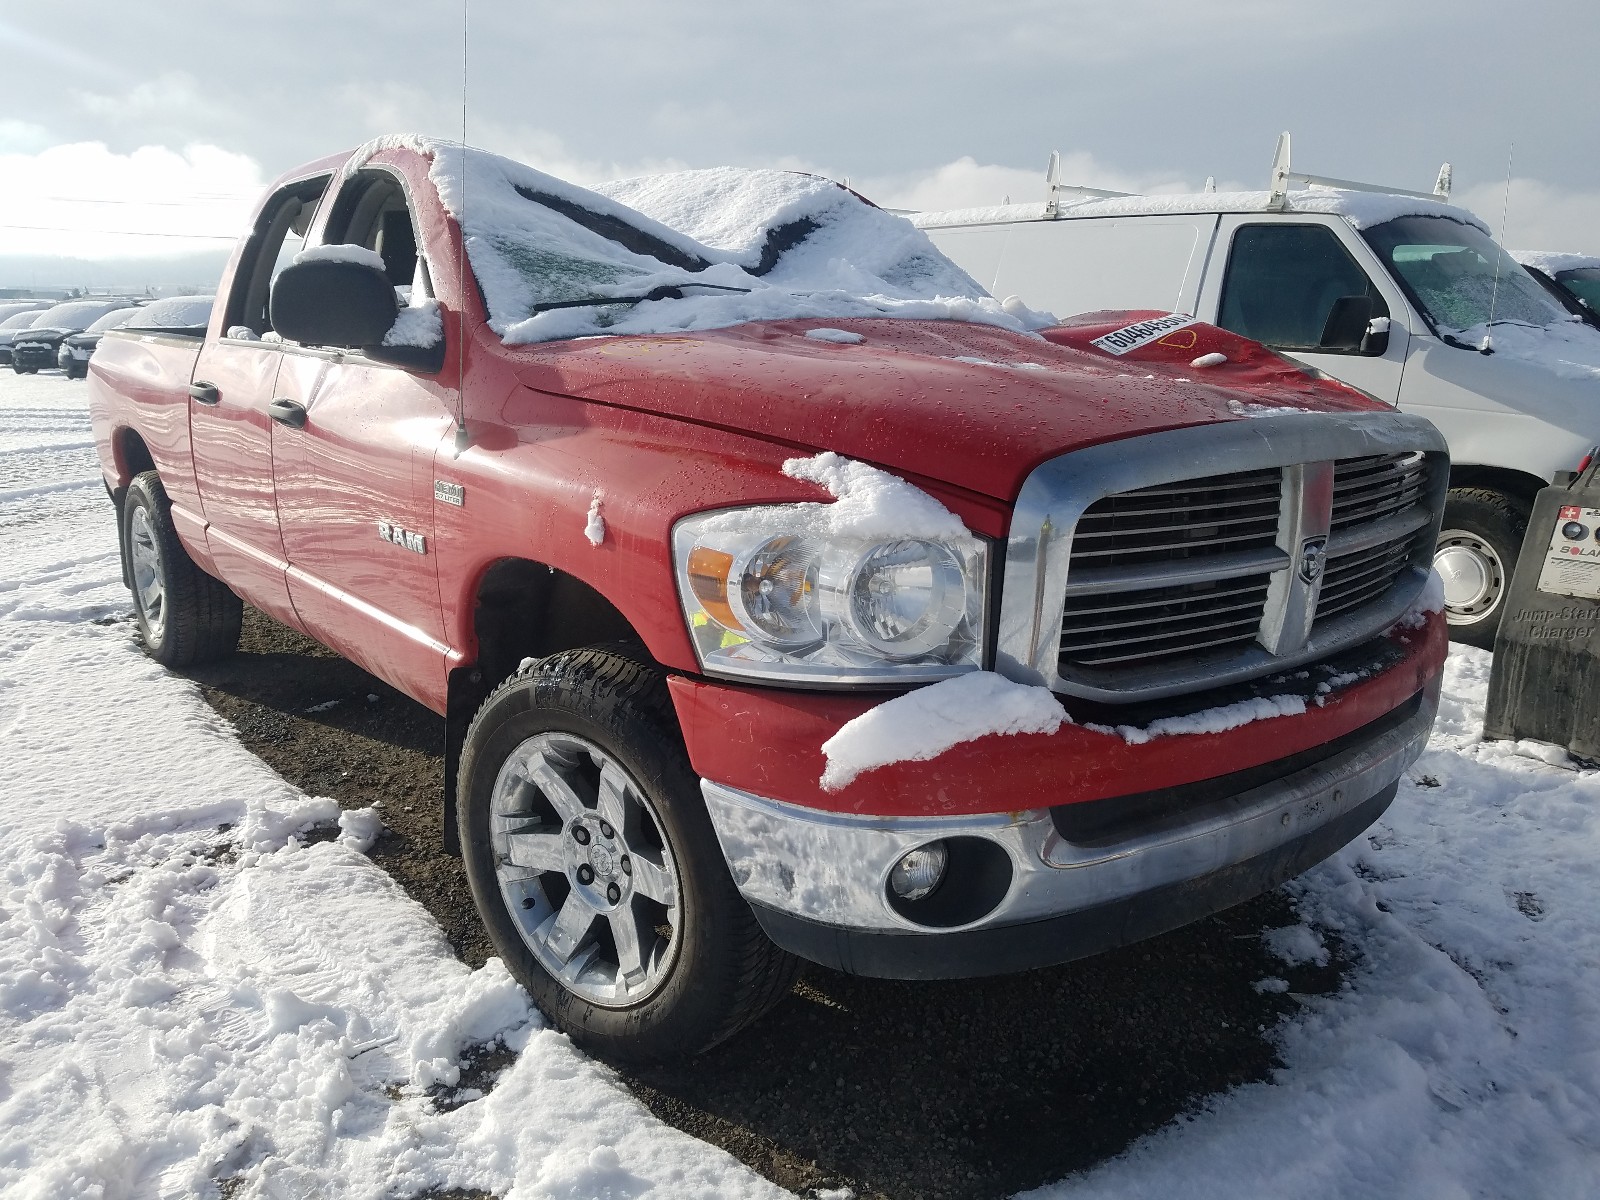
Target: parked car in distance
x,y
13,325
1574,279
10,308
72,355
186,315
36,347
669,500
1398,293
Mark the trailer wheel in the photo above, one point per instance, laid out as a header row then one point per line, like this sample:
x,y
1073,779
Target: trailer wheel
x,y
595,868
1476,554
185,616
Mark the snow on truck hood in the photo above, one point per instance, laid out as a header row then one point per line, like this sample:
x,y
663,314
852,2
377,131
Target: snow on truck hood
x,y
710,249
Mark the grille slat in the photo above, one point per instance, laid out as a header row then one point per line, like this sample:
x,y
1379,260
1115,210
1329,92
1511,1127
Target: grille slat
x,y
1160,574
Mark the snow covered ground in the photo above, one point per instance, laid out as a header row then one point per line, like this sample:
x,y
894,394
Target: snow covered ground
x,y
189,990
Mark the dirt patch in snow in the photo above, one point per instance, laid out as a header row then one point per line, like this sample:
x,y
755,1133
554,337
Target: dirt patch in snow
x,y
975,1088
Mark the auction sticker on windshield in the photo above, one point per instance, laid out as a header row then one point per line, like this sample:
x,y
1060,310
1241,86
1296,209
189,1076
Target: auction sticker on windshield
x,y
1141,333
1572,563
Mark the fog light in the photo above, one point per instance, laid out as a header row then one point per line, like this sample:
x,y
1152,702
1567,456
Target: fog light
x,y
919,872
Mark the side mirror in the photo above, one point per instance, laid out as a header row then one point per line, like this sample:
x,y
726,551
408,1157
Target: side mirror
x,y
1376,341
1346,326
328,302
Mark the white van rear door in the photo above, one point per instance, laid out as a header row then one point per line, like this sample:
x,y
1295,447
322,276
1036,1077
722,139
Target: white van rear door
x,y
1275,278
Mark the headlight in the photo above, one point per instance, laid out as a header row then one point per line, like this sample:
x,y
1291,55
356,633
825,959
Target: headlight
x,y
768,593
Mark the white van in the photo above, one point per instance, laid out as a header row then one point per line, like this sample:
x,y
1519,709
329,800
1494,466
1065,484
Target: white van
x,y
1398,293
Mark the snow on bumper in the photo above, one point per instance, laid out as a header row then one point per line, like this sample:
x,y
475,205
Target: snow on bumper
x,y
1032,880
819,881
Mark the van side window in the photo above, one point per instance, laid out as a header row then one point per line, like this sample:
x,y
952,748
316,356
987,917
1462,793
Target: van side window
x,y
1282,284
279,234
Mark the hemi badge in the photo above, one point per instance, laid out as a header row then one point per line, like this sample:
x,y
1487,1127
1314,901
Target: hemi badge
x,y
449,493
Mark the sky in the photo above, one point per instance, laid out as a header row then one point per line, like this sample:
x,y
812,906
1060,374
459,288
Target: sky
x,y
137,133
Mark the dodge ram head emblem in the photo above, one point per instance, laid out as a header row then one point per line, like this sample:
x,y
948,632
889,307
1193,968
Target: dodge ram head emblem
x,y
1313,557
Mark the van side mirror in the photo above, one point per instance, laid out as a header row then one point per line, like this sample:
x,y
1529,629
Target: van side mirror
x,y
1346,327
326,302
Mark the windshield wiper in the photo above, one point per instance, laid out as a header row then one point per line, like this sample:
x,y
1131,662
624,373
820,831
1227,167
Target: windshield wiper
x,y
667,291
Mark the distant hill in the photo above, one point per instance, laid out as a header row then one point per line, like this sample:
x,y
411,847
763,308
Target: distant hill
x,y
51,273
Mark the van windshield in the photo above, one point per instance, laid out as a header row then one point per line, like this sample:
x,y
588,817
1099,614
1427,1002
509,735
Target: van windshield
x,y
1584,284
1458,276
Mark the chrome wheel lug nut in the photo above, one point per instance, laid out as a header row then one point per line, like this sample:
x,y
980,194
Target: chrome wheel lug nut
x,y
627,865
613,893
580,834
606,831
586,874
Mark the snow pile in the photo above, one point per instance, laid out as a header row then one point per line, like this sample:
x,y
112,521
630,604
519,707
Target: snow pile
x,y
1568,348
173,312
594,525
842,336
694,250
872,503
1210,720
1551,262
924,723
419,325
1462,1058
1214,359
1243,408
191,995
341,252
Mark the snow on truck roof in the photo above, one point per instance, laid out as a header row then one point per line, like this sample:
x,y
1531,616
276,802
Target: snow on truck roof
x,y
687,251
1362,209
1551,262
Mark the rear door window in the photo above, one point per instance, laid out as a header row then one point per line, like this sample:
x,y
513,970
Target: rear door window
x,y
1282,283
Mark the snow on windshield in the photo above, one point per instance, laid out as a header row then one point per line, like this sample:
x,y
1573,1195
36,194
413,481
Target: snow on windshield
x,y
710,249
79,314
1459,276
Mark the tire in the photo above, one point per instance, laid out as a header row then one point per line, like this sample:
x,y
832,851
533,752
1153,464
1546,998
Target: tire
x,y
22,370
185,616
1479,542
552,758
76,370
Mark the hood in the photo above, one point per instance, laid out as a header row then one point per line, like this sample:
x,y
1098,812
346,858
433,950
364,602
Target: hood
x,y
965,405
48,337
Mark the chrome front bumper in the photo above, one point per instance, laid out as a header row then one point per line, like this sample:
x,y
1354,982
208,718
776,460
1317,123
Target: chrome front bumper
x,y
818,880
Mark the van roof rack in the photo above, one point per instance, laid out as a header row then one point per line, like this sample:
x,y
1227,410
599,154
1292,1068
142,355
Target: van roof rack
x,y
1278,192
1283,176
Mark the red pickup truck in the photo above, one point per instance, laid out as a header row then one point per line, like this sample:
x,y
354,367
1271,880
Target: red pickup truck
x,y
559,470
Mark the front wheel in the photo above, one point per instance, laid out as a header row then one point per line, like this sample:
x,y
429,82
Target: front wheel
x,y
595,867
1476,555
185,616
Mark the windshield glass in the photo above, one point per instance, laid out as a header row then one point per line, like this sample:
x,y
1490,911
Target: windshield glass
x,y
1458,276
692,250
174,312
1584,284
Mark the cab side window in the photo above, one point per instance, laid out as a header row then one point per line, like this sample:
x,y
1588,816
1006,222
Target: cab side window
x,y
1284,282
371,211
279,235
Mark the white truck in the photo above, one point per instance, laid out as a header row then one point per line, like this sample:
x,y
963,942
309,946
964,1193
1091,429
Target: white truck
x,y
1398,293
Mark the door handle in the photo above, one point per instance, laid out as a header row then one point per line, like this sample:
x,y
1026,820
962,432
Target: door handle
x,y
205,393
287,412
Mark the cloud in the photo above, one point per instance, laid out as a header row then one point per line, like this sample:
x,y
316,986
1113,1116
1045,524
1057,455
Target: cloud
x,y
1539,216
83,199
966,183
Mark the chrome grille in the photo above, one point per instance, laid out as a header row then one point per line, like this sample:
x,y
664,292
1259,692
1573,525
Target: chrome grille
x,y
1180,572
1369,489
1369,492
1196,518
